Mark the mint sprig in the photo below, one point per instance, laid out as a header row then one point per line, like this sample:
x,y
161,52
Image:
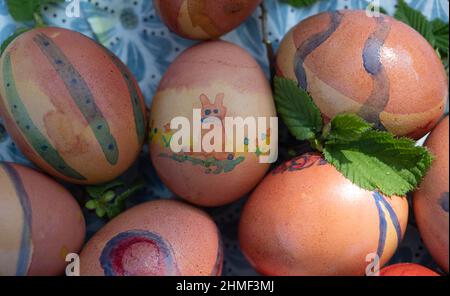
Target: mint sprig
x,y
109,199
371,159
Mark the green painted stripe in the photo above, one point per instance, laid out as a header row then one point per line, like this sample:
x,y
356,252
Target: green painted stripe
x,y
33,135
82,96
139,117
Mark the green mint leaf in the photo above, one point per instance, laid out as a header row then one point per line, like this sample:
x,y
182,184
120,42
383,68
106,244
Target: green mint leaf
x,y
10,39
100,212
441,33
379,161
416,20
347,127
91,204
297,109
23,10
300,3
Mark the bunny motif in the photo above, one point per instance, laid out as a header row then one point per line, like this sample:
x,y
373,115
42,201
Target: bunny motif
x,y
213,112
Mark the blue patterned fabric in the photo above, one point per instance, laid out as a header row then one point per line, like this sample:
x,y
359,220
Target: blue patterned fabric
x,y
133,31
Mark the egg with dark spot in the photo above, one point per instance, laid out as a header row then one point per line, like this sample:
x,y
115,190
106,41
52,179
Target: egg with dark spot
x,y
157,238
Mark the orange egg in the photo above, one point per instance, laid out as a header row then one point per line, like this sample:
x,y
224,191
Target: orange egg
x,y
204,19
155,238
379,68
40,223
71,106
407,269
306,219
431,200
219,81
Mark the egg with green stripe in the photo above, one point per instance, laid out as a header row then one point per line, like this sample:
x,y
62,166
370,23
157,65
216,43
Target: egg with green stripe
x,y
40,223
71,106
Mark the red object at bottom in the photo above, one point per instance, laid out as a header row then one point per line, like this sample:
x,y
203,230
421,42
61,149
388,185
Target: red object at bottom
x,y
407,269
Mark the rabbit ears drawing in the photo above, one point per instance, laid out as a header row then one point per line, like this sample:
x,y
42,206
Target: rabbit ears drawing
x,y
216,109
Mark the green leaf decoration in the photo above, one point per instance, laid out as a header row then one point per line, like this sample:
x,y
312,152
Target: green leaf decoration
x,y
300,3
379,161
347,127
297,109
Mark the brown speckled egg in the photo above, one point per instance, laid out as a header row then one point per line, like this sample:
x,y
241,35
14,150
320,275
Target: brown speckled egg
x,y
379,68
219,80
307,219
157,238
40,223
431,200
407,269
204,19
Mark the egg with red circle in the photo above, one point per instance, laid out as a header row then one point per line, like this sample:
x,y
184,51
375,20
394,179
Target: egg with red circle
x,y
157,238
306,219
407,269
213,84
431,199
377,67
40,223
204,19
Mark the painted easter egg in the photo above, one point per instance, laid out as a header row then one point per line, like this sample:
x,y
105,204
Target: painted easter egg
x,y
407,269
431,200
206,88
71,106
307,219
156,238
204,19
40,223
377,67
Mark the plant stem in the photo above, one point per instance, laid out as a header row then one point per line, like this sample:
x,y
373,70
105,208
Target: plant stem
x,y
266,40
38,20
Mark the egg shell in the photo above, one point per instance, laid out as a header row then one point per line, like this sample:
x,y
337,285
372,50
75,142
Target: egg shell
x,y
380,68
407,269
306,219
163,237
204,19
431,200
213,75
40,223
71,106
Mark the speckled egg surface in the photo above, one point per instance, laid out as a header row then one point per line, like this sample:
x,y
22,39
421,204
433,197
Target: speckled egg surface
x,y
204,19
40,223
219,80
306,219
431,200
71,106
155,238
376,67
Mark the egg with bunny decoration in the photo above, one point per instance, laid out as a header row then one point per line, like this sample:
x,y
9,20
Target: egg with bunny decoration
x,y
213,124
